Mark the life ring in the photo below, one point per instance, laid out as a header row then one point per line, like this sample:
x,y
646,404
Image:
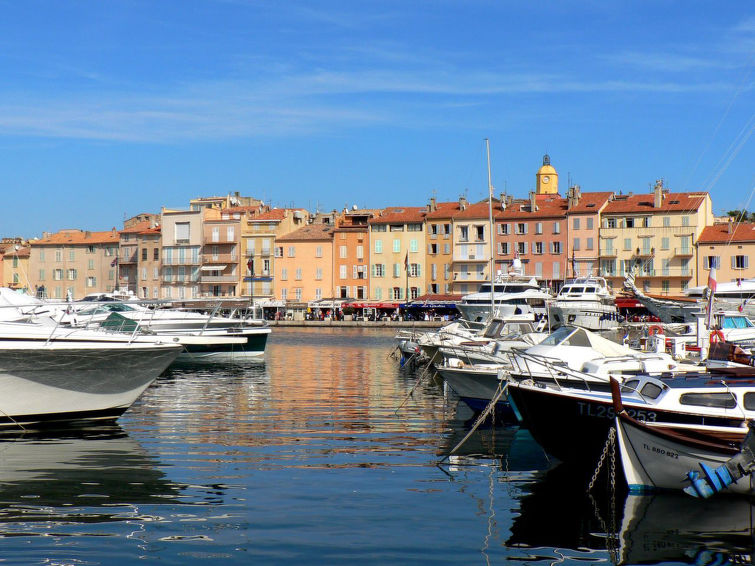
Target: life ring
x,y
655,329
717,336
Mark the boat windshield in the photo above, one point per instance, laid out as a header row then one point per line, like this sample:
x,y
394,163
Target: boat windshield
x,y
110,307
564,335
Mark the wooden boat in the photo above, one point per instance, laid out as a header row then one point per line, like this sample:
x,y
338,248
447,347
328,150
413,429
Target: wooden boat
x,y
701,463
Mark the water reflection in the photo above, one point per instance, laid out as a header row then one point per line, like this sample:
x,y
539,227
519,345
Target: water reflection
x,y
672,527
559,519
45,477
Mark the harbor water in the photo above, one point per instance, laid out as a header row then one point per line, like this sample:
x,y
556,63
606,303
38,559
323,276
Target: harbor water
x,y
305,459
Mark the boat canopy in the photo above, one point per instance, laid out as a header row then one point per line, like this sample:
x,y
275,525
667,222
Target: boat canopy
x,y
577,336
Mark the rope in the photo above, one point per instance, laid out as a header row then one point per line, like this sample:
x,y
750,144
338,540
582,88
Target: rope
x,y
491,407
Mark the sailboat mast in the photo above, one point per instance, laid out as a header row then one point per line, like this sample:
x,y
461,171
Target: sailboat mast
x,y
492,232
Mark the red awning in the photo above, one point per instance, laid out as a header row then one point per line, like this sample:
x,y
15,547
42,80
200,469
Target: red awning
x,y
628,303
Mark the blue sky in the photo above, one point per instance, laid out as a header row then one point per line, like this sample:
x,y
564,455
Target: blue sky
x,y
109,109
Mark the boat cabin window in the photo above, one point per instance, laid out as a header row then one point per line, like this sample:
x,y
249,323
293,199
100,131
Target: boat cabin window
x,y
749,401
736,322
716,400
630,386
493,329
590,290
651,390
577,290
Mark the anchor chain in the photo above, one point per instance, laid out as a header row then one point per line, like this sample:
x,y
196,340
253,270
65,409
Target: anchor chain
x,y
609,445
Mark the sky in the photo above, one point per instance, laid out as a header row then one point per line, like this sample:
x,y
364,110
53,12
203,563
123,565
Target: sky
x,y
110,109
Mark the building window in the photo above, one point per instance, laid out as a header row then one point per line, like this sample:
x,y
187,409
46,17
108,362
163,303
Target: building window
x,y
665,287
610,223
576,223
396,245
712,261
685,220
463,233
91,282
555,247
557,227
318,251
182,232
576,244
342,252
156,254
72,275
521,228
664,243
590,244
378,270
414,270
666,221
318,274
284,274
291,251
589,223
538,227
503,229
538,249
144,254
342,272
740,262
298,274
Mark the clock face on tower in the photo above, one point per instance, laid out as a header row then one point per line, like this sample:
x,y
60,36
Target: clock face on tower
x,y
546,179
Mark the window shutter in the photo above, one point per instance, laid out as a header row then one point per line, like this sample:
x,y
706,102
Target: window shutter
x,y
733,262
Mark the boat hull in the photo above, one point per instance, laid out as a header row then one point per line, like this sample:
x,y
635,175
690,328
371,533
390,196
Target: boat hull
x,y
477,389
575,428
229,347
653,461
49,384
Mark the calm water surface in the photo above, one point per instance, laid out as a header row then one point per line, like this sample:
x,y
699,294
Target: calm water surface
x,y
304,459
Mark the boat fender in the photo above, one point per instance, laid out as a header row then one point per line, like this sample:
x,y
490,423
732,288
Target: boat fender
x,y
717,336
655,329
714,480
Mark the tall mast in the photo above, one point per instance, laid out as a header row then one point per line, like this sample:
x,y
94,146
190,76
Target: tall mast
x,y
492,232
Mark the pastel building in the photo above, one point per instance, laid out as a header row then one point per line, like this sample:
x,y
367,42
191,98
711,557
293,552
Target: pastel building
x,y
259,232
351,269
397,254
14,265
182,243
583,211
303,271
74,263
655,236
219,270
439,245
471,243
728,247
139,258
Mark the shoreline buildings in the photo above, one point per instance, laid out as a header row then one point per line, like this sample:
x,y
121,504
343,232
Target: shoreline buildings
x,y
236,247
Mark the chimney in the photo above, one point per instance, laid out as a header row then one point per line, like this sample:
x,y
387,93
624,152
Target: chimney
x,y
573,195
658,194
462,203
433,205
533,204
730,225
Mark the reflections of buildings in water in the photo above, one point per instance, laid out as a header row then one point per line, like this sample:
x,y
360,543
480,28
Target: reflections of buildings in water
x,y
304,457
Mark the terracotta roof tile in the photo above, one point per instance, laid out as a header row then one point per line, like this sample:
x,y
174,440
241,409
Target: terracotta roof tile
x,y
719,234
80,237
672,202
311,232
141,228
400,215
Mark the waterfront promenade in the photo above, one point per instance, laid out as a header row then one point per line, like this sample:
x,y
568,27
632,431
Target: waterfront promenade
x,y
424,324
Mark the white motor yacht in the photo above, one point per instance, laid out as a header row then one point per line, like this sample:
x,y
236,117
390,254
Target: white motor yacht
x,y
50,374
587,302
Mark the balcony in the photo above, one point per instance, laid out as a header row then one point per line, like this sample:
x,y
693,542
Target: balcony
x,y
181,261
683,252
218,279
129,258
644,253
608,253
220,258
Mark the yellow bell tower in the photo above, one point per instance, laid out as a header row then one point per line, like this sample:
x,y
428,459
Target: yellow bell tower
x,y
546,178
